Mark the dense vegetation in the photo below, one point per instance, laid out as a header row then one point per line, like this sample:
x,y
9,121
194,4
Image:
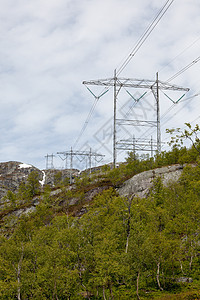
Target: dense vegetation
x,y
120,249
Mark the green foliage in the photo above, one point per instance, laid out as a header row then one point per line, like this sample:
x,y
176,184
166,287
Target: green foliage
x,y
119,245
82,181
33,185
12,198
120,249
178,136
27,190
58,178
105,168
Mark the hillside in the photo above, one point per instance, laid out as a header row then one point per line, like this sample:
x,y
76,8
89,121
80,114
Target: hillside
x,y
126,233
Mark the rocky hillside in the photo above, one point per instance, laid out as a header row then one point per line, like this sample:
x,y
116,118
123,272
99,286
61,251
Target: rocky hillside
x,y
79,195
96,229
12,173
75,197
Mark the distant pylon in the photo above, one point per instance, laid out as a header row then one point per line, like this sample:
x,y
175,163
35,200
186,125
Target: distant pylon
x,y
49,161
72,153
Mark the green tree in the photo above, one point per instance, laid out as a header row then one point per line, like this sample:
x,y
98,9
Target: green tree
x,y
191,134
33,185
29,188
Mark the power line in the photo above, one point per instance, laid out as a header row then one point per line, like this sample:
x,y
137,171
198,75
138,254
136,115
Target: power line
x,y
90,113
145,35
170,79
139,44
110,83
171,107
86,122
148,132
141,41
77,154
154,85
184,50
184,69
134,51
176,75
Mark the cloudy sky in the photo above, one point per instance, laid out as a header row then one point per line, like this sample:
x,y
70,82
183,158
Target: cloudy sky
x,y
49,47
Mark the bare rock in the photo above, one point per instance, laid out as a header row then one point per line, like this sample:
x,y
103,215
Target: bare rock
x,y
12,173
51,175
140,184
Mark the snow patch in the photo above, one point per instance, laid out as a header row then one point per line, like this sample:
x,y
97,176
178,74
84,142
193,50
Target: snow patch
x,y
42,182
24,166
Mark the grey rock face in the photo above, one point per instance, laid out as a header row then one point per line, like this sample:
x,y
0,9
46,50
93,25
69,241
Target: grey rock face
x,y
50,175
12,173
140,184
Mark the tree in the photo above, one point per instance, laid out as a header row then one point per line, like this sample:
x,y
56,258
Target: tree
x,y
105,235
189,133
30,188
33,185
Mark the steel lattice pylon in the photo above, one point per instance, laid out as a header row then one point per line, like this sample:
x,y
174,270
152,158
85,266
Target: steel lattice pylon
x,y
154,85
72,153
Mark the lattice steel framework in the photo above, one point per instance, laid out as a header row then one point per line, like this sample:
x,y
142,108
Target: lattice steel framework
x,y
88,154
154,85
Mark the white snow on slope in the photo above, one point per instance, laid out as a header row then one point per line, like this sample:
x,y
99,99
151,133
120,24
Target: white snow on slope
x,y
42,182
24,166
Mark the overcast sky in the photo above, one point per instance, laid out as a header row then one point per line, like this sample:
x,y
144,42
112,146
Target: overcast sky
x,y
48,47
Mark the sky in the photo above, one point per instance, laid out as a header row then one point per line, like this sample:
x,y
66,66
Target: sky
x,y
49,47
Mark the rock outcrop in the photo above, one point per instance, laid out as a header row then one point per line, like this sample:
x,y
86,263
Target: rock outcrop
x,y
54,175
140,184
12,173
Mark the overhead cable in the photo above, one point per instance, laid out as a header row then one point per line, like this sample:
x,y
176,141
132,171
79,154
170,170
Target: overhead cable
x,y
86,122
184,69
145,35
140,42
184,50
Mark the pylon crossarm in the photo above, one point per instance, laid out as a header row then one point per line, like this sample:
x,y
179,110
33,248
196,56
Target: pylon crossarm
x,y
125,82
103,82
137,83
172,87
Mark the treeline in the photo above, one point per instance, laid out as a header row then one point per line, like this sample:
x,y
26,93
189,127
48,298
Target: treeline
x,y
121,249
136,164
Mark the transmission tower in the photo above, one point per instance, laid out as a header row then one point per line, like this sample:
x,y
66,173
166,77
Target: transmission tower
x,y
153,85
49,161
87,154
137,145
